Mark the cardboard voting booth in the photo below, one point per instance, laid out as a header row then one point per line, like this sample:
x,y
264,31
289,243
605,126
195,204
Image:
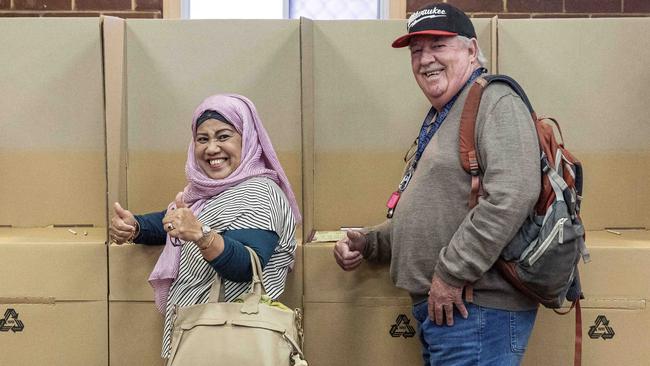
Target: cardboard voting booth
x,y
359,120
53,291
97,108
158,72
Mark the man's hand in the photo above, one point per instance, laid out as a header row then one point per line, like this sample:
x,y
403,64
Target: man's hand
x,y
348,251
442,298
123,225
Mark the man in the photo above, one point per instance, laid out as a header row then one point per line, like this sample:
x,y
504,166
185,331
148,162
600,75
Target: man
x,y
438,248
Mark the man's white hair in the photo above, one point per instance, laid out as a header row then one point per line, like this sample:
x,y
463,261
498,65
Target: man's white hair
x,y
482,60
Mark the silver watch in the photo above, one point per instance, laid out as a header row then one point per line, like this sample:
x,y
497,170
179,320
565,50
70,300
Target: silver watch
x,y
205,229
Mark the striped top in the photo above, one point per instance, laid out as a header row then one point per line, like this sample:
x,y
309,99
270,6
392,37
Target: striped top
x,y
257,203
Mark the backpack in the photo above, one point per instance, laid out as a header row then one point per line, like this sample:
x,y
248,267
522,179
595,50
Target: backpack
x,y
542,259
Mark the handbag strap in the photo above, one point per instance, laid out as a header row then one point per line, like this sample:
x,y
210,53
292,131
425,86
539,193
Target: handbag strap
x,y
253,297
215,290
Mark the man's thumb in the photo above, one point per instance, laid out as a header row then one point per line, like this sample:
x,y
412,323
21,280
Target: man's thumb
x,y
179,201
355,240
122,213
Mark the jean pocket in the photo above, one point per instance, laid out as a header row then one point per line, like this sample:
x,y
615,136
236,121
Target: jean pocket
x,y
521,326
421,311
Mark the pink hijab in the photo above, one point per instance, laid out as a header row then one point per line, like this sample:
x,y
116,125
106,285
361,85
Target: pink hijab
x,y
258,159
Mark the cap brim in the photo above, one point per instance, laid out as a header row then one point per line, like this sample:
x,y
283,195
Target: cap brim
x,y
404,40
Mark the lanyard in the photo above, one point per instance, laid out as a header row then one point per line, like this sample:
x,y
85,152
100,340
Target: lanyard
x,y
427,131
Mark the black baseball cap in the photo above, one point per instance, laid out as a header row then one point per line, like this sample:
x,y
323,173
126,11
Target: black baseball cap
x,y
437,20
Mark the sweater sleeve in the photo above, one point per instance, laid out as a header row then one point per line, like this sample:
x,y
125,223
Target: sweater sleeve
x,y
378,246
151,228
234,262
509,156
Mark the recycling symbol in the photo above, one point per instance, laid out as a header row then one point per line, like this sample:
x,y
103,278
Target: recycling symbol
x,y
402,327
601,329
11,322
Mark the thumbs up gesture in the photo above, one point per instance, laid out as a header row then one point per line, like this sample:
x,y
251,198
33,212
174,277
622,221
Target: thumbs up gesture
x,y
181,223
179,201
348,251
123,225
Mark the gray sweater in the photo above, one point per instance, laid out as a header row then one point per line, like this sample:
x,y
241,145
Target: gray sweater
x,y
433,230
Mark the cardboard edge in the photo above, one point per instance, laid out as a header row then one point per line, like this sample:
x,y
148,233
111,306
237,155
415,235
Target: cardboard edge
x,y
307,112
114,84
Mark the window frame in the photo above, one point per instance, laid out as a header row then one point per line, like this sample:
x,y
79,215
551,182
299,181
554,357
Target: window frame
x,y
388,9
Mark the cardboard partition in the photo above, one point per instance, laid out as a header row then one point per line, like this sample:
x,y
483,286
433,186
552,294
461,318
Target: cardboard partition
x,y
325,281
131,264
615,315
343,309
116,138
379,332
307,106
365,111
580,71
53,296
171,66
626,327
136,330
293,290
57,333
132,310
52,147
58,264
356,317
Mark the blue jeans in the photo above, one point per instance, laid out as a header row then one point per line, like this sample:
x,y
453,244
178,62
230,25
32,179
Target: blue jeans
x,y
488,337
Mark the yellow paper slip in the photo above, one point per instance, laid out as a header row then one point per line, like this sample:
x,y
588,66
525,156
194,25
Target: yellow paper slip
x,y
326,236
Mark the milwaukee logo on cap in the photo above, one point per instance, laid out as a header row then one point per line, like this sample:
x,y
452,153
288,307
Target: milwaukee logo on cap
x,y
420,15
436,20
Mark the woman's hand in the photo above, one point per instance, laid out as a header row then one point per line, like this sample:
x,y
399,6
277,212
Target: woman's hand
x,y
181,222
123,225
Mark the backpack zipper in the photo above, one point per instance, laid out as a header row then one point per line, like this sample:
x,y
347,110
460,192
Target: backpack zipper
x,y
558,230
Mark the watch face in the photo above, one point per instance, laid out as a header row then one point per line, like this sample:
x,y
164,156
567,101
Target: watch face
x,y
205,229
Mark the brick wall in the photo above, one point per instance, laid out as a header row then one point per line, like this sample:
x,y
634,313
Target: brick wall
x,y
475,8
81,8
544,8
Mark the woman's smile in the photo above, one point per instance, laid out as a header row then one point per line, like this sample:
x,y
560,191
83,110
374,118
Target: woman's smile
x,y
217,148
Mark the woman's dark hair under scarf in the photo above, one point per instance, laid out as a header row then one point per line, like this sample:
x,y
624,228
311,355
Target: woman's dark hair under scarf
x,y
210,114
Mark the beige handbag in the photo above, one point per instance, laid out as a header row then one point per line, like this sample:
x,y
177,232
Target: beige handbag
x,y
254,331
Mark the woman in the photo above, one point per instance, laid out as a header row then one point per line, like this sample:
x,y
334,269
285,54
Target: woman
x,y
237,195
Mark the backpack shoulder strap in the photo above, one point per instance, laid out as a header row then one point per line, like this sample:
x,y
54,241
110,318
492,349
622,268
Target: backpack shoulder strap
x,y
467,146
515,86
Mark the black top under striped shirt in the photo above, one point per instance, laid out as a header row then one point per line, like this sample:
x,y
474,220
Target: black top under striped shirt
x,y
234,262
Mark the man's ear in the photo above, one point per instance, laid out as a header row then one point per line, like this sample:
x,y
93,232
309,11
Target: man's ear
x,y
473,49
